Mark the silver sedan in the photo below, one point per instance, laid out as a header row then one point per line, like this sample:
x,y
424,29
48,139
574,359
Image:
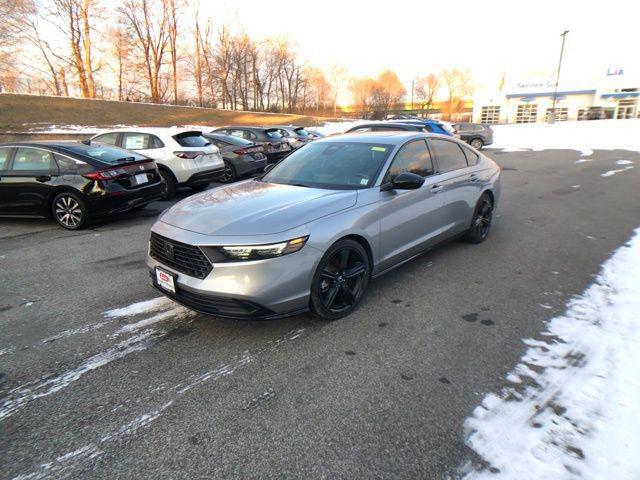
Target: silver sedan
x,y
314,230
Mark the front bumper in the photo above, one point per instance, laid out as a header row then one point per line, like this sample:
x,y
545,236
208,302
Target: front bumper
x,y
268,288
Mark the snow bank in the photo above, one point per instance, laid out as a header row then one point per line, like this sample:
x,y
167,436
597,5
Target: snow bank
x,y
573,410
583,136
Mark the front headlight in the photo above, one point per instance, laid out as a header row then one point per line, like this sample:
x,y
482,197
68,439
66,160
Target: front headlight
x,y
258,252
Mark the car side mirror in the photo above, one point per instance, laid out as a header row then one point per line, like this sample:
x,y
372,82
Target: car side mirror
x,y
268,167
407,181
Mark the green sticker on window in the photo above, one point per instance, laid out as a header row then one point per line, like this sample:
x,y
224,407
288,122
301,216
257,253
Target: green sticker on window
x,y
378,149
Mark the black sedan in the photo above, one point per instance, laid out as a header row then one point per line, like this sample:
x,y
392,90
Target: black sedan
x,y
74,182
276,147
241,157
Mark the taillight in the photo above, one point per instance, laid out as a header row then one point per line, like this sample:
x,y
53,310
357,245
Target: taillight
x,y
240,151
189,155
106,174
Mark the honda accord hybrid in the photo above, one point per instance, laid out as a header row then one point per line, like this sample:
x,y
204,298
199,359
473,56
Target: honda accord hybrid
x,y
313,231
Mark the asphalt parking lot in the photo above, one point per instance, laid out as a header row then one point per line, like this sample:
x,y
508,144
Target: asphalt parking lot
x,y
382,393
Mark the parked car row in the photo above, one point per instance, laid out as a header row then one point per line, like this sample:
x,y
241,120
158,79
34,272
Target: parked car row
x,y
34,175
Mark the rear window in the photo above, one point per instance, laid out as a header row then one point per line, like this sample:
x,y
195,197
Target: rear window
x,y
105,153
241,142
191,139
301,132
273,134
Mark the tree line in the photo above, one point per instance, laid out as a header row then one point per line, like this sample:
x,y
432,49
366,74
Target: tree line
x,y
166,51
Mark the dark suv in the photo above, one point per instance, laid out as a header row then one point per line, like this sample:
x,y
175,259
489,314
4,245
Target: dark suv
x,y
276,147
475,134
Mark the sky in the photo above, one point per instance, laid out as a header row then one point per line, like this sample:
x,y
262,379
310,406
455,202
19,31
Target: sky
x,y
518,38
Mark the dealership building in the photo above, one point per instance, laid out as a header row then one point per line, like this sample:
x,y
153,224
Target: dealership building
x,y
614,95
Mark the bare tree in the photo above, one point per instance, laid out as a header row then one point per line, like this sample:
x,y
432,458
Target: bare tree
x,y
172,9
458,83
337,75
387,92
151,39
426,90
22,24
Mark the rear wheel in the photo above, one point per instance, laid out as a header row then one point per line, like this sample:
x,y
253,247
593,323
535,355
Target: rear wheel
x,y
70,211
229,175
170,185
481,222
477,143
340,280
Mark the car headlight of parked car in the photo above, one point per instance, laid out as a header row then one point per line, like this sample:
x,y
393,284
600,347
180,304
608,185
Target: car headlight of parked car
x,y
259,252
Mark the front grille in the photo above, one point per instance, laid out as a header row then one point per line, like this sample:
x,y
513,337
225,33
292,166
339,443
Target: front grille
x,y
182,257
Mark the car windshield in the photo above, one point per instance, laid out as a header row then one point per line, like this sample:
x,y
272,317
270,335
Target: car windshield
x,y
105,153
331,165
191,139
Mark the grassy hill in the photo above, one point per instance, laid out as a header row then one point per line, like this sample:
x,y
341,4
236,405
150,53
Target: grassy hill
x,y
24,113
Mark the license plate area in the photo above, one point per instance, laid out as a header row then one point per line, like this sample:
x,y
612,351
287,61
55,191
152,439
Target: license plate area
x,y
140,178
165,280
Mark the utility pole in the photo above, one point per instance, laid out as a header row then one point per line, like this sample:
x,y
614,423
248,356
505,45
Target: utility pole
x,y
552,117
412,82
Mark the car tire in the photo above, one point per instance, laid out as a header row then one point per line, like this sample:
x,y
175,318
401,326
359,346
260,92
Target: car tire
x,y
199,188
71,213
170,185
481,221
230,175
477,143
340,281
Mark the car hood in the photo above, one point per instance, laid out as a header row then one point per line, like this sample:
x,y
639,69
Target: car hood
x,y
256,208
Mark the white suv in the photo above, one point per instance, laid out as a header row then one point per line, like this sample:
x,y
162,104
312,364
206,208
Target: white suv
x,y
184,157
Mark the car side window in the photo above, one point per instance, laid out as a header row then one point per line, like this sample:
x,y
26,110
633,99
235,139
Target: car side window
x,y
449,155
68,164
5,154
33,159
155,142
361,129
250,135
136,141
237,133
414,157
108,138
472,157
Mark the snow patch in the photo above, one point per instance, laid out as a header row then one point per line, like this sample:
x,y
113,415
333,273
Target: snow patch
x,y
578,416
611,173
584,136
623,162
138,308
26,393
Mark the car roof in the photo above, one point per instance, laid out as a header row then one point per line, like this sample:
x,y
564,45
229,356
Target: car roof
x,y
392,138
55,144
386,124
151,130
247,127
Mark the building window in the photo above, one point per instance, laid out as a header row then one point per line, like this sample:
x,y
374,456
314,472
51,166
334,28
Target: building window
x,y
490,114
527,113
626,109
562,114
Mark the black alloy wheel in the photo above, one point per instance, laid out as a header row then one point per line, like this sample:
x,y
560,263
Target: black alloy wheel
x,y
481,222
340,281
69,211
229,174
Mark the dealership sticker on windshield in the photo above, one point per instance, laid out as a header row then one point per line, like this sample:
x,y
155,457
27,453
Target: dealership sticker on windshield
x,y
378,149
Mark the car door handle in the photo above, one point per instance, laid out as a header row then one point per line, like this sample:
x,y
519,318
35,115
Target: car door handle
x,y
43,178
436,188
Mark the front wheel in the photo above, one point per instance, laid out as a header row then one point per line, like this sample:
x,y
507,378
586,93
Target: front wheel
x,y
477,143
481,222
70,211
340,280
